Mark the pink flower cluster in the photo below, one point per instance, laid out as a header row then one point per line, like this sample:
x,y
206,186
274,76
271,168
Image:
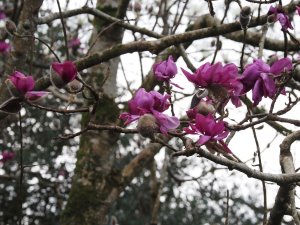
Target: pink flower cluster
x,y
258,77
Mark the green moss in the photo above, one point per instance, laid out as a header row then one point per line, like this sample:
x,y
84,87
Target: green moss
x,y
80,200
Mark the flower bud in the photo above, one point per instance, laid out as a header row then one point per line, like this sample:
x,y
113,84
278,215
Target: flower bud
x,y
147,126
10,27
74,86
245,17
62,73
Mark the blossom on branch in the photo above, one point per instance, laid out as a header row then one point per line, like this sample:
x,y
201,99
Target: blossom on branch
x,y
259,77
4,47
63,73
74,43
2,15
281,16
209,130
21,85
7,155
152,103
218,78
165,70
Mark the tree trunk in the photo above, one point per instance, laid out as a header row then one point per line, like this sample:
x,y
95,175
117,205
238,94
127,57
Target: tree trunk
x,y
93,181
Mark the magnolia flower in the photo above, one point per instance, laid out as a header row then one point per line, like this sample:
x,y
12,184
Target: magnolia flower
x,y
74,43
23,86
2,15
281,16
4,47
216,77
6,156
165,70
63,73
209,130
259,77
150,103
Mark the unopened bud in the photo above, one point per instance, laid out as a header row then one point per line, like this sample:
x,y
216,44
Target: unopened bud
x,y
272,59
10,27
205,108
137,7
74,86
147,126
245,17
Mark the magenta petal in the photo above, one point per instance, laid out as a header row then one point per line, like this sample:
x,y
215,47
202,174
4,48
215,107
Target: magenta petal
x,y
269,87
35,95
203,139
129,118
284,64
236,101
67,70
166,122
225,147
257,92
6,156
22,83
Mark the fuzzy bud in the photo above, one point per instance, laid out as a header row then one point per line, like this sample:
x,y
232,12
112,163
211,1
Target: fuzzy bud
x,y
205,108
272,59
244,18
147,126
10,27
74,86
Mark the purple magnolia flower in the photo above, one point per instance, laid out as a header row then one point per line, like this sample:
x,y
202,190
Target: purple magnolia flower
x,y
281,16
259,77
67,70
6,156
2,15
165,70
4,47
150,103
74,43
298,9
212,76
209,130
24,86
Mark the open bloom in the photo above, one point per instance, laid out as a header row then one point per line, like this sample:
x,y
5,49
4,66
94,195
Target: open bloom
x,y
24,85
281,16
165,70
216,77
63,73
150,103
209,130
259,77
4,47
6,156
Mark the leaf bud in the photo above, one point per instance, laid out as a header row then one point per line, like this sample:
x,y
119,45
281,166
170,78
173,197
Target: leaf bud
x,y
244,18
